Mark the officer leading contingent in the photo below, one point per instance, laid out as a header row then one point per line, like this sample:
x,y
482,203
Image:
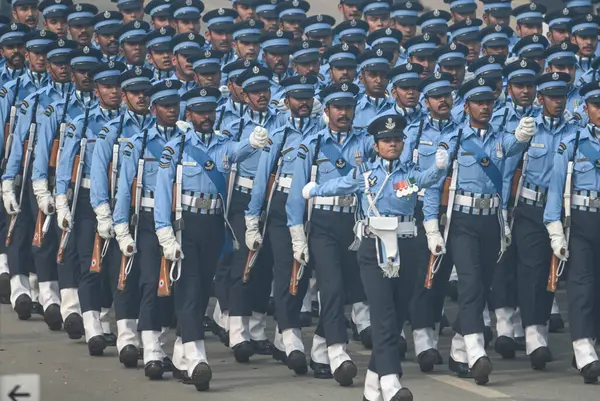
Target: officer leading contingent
x,y
171,190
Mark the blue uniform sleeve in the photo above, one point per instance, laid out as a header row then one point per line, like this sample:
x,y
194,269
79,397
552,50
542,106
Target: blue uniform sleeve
x,y
296,205
13,166
43,146
129,155
429,177
101,158
553,209
71,147
510,165
163,198
510,144
261,178
346,185
432,196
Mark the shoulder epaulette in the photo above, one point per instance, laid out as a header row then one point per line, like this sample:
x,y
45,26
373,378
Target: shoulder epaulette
x,y
304,148
170,150
561,148
129,145
3,92
444,145
105,129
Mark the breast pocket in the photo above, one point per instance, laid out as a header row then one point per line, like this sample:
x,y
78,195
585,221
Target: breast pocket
x,y
537,158
325,166
150,171
426,156
585,176
191,178
468,168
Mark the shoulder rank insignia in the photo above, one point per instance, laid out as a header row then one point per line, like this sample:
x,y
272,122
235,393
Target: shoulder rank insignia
x,y
226,133
304,148
50,109
170,150
444,145
561,148
129,145
25,103
163,164
372,180
105,129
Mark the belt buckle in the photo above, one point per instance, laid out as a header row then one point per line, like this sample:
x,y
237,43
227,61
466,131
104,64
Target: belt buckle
x,y
594,203
540,197
482,203
202,203
345,201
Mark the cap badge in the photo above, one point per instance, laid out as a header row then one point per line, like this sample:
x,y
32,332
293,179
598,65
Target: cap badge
x,y
78,7
319,18
274,2
305,45
436,13
468,22
555,76
57,1
163,30
188,2
532,6
564,46
409,67
345,47
256,70
13,27
168,83
353,22
138,71
565,11
86,50
207,54
111,64
599,84
345,87
498,28
295,3
437,75
379,52
390,124
535,38
61,43
589,18
481,81
251,22
137,24
523,63
426,37
202,92
221,11
303,80
408,4
453,46
247,63
191,36
43,33
279,33
491,60
388,31
107,14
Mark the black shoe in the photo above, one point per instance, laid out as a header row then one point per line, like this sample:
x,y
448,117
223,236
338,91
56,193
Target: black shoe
x,y
37,308
443,323
222,334
279,355
23,307
181,375
481,370
111,339
167,364
129,356
488,336
154,370
4,288
96,345
428,359
271,307
243,351
403,348
539,358
262,347
452,290
556,324
305,319
320,370
366,339
53,318
403,394
314,309
520,344
296,361
201,376
345,373
590,372
208,324
460,368
355,335
505,346
74,326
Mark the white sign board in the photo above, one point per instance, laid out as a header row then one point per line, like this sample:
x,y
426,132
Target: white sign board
x,y
20,388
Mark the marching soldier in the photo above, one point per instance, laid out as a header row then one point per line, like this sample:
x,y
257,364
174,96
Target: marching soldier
x,y
186,14
559,26
405,16
584,34
420,50
435,23
388,40
462,10
495,40
160,52
350,9
201,193
160,12
81,23
376,13
532,48
277,160
405,89
574,165
185,45
106,26
276,51
385,255
266,13
452,59
219,27
353,33
132,10
207,68
132,38
55,14
374,66
320,28
467,33
529,19
291,13
496,13
340,64
562,58
246,9
26,12
306,59
476,224
12,43
246,39
235,106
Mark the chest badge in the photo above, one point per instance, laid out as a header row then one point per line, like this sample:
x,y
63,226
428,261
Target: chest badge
x,y
485,162
372,180
597,164
340,163
209,165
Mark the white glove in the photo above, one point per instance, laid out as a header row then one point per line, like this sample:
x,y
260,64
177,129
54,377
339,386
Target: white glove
x,y
259,138
126,242
253,237
317,109
281,105
558,241
507,232
441,159
526,129
63,213
299,244
43,196
183,126
224,91
306,191
105,221
435,241
9,198
171,248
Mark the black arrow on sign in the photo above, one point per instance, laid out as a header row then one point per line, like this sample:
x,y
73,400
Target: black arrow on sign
x,y
13,395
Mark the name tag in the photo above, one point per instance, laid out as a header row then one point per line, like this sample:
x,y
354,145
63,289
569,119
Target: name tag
x,y
319,161
191,164
583,159
466,153
123,140
288,150
537,145
426,143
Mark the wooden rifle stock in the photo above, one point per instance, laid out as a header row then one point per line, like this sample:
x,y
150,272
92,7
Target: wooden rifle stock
x,y
248,266
109,174
294,279
61,250
53,153
429,276
6,132
39,224
96,263
446,191
515,182
164,286
133,194
123,271
25,146
9,234
553,274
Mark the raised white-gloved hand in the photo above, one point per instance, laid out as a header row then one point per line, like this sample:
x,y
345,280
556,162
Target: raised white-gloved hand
x,y
259,138
253,237
281,105
306,191
441,159
317,108
558,242
105,221
125,240
299,244
43,196
9,198
183,126
224,91
63,213
526,129
435,241
171,248
507,232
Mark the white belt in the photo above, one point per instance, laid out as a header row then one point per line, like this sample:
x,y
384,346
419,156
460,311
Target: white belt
x,y
86,183
421,193
147,202
477,203
244,182
342,201
201,203
285,182
404,228
532,195
585,201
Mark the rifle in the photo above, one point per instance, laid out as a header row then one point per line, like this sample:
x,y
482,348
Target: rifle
x,y
76,176
136,200
271,186
557,266
29,145
9,125
448,194
297,267
113,166
166,276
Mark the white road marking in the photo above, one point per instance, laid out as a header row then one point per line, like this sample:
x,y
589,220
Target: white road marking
x,y
470,386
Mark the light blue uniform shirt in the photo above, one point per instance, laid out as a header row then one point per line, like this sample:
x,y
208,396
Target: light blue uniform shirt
x,y
573,99
412,115
431,134
367,108
8,74
229,112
